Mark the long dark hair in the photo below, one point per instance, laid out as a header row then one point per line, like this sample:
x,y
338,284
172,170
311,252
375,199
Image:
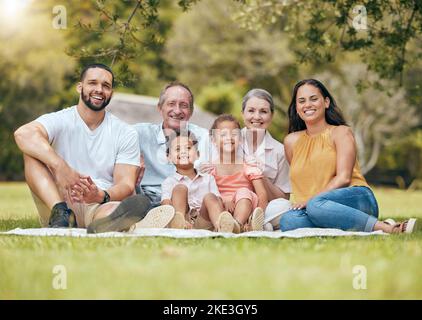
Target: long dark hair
x,y
333,114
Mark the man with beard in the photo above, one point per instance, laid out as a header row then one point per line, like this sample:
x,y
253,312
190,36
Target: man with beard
x,y
81,161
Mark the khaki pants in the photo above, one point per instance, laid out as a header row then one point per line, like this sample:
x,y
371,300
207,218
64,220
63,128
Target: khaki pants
x,y
84,213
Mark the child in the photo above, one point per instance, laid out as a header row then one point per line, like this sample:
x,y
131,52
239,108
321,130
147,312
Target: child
x,y
241,185
193,195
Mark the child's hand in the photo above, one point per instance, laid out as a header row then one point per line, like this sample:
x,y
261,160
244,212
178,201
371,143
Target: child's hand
x,y
206,167
253,172
230,206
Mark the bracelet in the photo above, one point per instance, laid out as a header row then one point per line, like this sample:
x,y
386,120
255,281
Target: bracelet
x,y
106,197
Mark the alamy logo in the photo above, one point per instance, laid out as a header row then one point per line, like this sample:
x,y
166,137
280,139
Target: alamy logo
x,y
60,278
60,18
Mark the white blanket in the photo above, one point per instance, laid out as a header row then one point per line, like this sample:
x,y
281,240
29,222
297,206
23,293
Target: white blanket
x,y
177,233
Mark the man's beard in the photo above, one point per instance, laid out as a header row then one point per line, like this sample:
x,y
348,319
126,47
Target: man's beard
x,y
93,107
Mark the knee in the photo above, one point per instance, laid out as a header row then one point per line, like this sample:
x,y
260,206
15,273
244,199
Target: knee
x,y
315,203
210,197
277,206
313,207
180,188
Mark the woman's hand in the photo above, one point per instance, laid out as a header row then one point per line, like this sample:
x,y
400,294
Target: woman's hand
x,y
299,205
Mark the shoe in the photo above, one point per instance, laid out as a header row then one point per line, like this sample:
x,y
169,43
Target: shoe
x,y
268,227
158,217
390,221
225,222
178,221
408,226
256,220
411,226
237,227
62,218
128,212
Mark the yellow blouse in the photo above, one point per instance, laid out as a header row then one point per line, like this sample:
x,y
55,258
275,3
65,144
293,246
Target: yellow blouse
x,y
313,165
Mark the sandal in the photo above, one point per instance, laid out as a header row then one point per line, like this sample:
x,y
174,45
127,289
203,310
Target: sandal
x,y
408,226
390,221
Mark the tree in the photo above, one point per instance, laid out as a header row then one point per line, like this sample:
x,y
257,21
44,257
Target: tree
x,y
379,118
218,51
32,73
387,34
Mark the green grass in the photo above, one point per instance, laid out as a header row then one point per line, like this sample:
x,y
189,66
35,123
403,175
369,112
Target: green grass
x,y
162,268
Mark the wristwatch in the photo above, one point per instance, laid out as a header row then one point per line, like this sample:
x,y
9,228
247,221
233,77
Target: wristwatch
x,y
106,197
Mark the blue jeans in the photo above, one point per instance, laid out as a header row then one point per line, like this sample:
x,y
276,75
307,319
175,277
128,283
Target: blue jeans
x,y
351,208
153,193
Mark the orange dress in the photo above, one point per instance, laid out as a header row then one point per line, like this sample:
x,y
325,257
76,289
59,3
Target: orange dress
x,y
239,185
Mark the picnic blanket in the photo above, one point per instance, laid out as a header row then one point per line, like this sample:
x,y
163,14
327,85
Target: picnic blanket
x,y
178,233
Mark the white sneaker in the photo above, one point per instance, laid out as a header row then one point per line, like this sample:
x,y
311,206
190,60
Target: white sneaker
x,y
268,227
158,217
225,222
257,220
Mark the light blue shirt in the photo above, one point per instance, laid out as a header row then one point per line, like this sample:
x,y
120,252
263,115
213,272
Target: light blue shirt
x,y
152,142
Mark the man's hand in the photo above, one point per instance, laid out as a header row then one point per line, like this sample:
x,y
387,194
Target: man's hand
x,y
86,191
66,178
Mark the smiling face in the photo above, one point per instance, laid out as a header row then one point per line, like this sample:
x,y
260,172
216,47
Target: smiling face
x,y
310,104
96,88
257,114
176,108
183,152
227,137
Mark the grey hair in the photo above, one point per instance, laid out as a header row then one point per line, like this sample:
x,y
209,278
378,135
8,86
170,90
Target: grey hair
x,y
260,94
162,97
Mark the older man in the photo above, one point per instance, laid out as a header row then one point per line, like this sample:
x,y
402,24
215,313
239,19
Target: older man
x,y
81,161
175,106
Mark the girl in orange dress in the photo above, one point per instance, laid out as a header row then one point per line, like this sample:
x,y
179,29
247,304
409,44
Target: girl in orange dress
x,y
241,185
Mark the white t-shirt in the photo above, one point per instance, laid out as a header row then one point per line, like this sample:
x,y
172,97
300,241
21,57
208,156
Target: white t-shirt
x,y
197,188
92,152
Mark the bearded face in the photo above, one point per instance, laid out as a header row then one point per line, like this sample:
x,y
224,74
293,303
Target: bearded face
x,y
94,100
96,89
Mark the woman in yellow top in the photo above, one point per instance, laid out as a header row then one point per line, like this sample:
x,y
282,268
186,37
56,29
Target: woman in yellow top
x,y
328,189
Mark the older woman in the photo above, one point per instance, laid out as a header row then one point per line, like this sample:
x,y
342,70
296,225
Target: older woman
x,y
260,147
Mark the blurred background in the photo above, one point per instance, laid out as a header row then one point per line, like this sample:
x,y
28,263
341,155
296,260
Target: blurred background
x,y
367,53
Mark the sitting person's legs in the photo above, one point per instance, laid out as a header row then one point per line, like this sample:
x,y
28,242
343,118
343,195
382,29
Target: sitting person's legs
x,y
179,200
295,219
113,216
339,209
46,195
352,208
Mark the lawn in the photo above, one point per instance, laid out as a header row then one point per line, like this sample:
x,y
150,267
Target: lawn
x,y
162,268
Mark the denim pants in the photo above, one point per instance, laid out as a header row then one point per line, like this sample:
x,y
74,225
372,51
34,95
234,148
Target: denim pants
x,y
351,208
153,193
